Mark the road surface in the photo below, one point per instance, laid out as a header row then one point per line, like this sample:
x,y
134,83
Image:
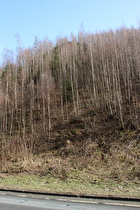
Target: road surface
x,y
23,201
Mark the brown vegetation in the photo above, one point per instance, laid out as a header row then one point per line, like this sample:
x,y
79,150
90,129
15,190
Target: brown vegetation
x,y
75,104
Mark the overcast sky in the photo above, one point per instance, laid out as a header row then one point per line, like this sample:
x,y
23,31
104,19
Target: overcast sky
x,y
52,18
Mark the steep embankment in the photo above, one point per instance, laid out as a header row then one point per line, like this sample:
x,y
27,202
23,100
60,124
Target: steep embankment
x,y
73,106
100,147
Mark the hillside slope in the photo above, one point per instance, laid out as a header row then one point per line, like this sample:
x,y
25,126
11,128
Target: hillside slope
x,y
74,105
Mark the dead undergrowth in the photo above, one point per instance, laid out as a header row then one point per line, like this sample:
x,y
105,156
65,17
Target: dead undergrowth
x,y
103,150
92,143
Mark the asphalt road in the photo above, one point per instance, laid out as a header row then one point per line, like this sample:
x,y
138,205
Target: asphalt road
x,y
22,201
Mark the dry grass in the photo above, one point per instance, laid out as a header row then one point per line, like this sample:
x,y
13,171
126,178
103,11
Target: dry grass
x,y
121,160
114,174
78,159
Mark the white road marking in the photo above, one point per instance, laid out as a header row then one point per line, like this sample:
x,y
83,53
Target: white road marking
x,y
122,204
24,196
47,198
81,201
95,202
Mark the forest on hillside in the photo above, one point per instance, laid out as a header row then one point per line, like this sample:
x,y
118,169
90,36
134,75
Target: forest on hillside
x,y
78,78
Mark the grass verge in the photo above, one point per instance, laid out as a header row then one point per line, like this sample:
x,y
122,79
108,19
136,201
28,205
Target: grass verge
x,y
76,183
